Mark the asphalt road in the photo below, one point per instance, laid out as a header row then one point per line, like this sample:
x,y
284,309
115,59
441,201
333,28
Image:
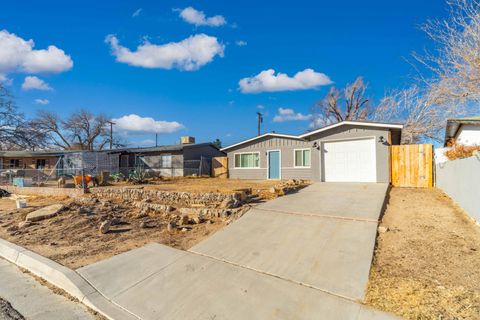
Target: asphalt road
x,y
7,312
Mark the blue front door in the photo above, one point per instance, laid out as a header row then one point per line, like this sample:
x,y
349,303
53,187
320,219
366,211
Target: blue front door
x,y
273,164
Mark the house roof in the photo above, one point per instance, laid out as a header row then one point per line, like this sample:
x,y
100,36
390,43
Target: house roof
x,y
453,125
176,147
355,123
302,136
58,153
42,153
269,134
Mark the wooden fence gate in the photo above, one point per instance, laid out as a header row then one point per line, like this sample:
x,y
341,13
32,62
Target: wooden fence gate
x,y
220,167
412,165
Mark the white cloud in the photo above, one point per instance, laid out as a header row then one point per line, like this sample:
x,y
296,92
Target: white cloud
x,y
241,43
18,55
137,12
34,83
268,81
42,101
260,107
188,54
287,114
135,123
198,18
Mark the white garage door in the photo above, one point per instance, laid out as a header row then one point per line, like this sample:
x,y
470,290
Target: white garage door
x,y
350,160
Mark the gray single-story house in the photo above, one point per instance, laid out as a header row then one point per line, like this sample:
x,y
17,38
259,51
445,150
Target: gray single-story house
x,y
184,159
348,151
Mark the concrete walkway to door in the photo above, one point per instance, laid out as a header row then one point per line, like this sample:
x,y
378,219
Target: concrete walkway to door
x,y
302,256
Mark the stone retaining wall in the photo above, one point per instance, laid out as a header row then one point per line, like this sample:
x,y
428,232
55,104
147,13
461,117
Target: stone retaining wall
x,y
174,198
44,191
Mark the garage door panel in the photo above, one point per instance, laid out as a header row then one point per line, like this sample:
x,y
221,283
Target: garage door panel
x,y
350,160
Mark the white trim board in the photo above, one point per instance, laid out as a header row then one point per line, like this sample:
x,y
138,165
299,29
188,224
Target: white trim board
x,y
247,152
294,158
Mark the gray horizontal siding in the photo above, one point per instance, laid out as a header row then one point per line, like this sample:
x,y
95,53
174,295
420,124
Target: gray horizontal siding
x,y
286,147
354,132
250,174
315,172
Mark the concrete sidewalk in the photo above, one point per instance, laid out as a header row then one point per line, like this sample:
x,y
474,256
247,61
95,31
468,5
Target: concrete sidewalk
x,y
35,301
303,256
158,282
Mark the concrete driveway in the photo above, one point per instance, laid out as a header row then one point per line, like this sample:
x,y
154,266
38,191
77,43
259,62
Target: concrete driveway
x,y
322,236
303,256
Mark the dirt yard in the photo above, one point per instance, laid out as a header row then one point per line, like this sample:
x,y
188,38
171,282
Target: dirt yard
x,y
427,265
73,238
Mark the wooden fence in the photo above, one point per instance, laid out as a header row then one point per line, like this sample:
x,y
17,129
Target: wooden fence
x,y
220,167
412,165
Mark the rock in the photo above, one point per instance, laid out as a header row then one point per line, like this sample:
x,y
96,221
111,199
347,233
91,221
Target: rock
x,y
383,229
44,213
12,228
225,213
171,225
196,220
146,224
4,193
84,210
240,196
272,190
227,203
24,224
105,226
184,229
115,221
184,219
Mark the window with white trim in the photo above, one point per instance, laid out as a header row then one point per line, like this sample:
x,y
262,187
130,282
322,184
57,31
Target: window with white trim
x,y
302,158
247,160
166,161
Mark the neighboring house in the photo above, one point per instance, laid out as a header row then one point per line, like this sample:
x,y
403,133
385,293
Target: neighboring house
x,y
347,151
464,131
29,160
183,159
63,161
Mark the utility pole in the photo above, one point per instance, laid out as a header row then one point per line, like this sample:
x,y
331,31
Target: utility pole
x,y
156,139
260,120
111,133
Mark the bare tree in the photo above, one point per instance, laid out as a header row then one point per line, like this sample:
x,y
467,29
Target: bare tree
x,y
51,126
82,130
349,103
14,133
455,64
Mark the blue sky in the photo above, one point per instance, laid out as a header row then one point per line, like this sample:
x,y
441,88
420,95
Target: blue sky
x,y
337,40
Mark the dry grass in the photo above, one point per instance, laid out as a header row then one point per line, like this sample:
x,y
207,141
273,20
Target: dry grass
x,y
427,266
460,151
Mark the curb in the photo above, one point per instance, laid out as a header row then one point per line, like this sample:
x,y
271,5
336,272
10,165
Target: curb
x,y
63,278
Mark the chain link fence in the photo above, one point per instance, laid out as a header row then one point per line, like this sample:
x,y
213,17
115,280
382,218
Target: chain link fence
x,y
70,171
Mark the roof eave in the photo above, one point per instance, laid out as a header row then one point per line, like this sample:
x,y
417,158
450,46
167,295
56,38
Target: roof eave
x,y
259,137
357,123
